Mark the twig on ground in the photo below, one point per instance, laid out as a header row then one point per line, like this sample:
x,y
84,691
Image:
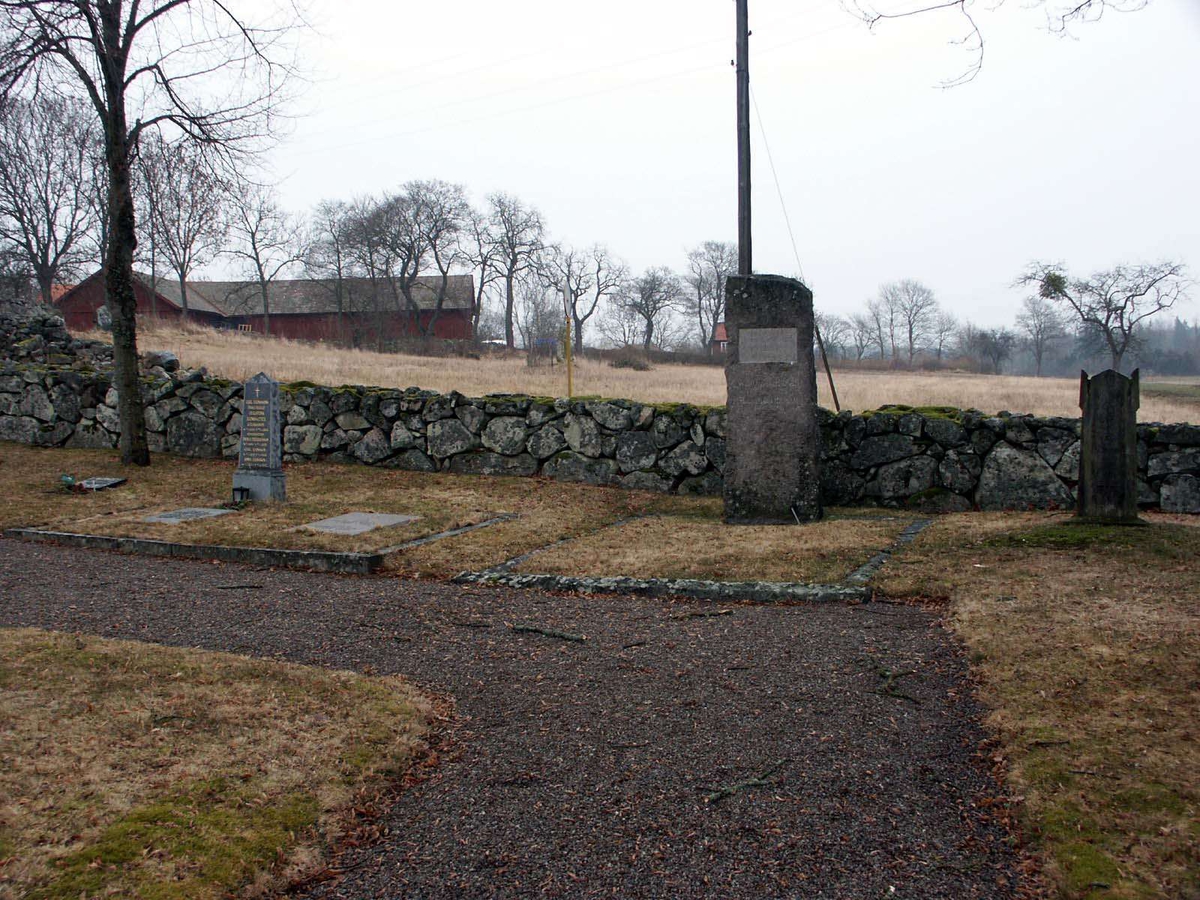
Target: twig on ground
x,y
634,644
238,587
890,677
472,624
548,632
765,779
705,614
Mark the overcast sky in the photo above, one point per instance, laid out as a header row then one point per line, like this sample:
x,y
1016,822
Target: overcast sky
x,y
617,121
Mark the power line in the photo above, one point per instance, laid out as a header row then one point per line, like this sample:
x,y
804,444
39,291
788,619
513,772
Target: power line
x,y
778,188
513,111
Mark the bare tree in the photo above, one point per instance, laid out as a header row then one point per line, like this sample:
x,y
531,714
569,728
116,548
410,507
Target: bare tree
x,y
945,326
994,345
539,318
1061,15
482,251
442,215
708,267
1042,324
584,278
47,152
911,309
185,200
327,258
203,68
620,324
884,314
653,296
862,334
366,257
265,240
519,235
835,331
1114,302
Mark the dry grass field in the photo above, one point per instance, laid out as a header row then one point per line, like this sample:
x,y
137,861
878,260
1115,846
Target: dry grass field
x,y
238,356
132,770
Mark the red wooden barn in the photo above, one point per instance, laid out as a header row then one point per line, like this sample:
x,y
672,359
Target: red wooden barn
x,y
352,310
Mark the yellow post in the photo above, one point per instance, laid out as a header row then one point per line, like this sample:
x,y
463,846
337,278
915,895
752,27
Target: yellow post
x,y
570,372
567,319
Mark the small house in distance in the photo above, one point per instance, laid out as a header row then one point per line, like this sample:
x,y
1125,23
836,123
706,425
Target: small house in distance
x,y
720,341
350,311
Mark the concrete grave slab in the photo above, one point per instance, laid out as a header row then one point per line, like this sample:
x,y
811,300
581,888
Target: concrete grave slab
x,y
187,514
358,523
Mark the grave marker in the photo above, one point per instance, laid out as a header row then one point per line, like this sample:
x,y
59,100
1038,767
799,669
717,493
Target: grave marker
x,y
187,514
772,473
259,474
358,523
1108,448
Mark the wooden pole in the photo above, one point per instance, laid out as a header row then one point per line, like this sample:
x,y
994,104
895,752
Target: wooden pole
x,y
745,256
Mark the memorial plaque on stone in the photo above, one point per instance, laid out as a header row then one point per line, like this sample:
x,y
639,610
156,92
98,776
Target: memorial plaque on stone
x,y
259,474
1108,448
772,455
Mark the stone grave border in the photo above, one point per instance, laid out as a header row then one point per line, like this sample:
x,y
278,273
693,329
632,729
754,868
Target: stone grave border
x,y
336,562
853,588
313,560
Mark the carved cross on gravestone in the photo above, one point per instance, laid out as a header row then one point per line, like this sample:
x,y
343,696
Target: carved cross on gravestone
x,y
1108,448
259,474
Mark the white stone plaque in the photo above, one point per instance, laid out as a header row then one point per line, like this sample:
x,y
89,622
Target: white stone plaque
x,y
767,345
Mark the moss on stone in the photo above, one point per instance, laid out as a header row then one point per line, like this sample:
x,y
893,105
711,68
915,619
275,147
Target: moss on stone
x,y
952,413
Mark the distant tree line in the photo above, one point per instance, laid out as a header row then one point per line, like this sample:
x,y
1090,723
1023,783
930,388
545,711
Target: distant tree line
x,y
1064,324
370,251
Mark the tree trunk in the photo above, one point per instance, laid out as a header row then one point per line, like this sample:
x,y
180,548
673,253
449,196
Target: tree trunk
x,y
183,296
649,336
119,293
509,303
45,287
266,303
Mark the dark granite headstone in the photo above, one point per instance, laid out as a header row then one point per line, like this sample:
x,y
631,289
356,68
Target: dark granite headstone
x,y
773,447
1108,448
260,458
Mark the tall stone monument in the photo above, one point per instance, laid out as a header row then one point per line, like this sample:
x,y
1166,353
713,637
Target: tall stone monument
x,y
772,463
259,474
1108,448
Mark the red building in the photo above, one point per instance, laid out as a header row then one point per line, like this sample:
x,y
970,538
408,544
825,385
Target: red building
x,y
358,311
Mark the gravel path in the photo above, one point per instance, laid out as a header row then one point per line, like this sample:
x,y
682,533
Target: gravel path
x,y
581,769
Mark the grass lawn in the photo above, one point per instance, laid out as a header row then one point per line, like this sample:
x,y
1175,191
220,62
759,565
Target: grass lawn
x,y
134,770
694,544
546,510
1087,643
681,536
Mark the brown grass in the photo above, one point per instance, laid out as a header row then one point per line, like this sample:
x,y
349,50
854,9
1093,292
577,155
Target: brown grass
x,y
1087,641
697,545
136,770
238,356
546,511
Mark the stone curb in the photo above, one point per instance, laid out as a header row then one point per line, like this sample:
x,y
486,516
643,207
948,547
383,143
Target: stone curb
x,y
730,591
312,560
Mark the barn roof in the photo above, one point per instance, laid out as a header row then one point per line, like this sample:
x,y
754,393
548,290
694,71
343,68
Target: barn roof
x,y
299,296
303,296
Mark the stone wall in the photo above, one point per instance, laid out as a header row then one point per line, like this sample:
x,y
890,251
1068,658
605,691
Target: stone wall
x,y
930,459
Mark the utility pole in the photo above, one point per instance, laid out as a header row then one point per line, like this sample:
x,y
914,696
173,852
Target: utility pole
x,y
745,266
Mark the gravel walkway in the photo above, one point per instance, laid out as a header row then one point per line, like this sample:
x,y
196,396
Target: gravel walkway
x,y
582,769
